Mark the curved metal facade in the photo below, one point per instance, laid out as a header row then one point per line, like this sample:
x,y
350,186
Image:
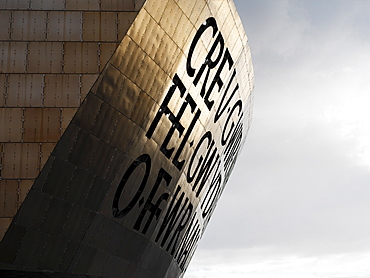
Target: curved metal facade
x,y
131,184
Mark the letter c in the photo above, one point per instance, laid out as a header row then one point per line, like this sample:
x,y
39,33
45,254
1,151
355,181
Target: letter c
x,y
210,22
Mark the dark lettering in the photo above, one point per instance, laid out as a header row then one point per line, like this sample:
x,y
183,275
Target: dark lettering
x,y
223,139
212,193
171,217
216,79
164,109
210,22
190,248
221,109
206,168
144,158
175,161
208,61
149,206
182,224
188,241
232,149
189,176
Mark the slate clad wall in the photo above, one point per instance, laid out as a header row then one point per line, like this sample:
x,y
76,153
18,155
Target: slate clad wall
x,y
51,52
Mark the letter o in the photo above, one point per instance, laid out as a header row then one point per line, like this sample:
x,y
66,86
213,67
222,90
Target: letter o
x,y
144,158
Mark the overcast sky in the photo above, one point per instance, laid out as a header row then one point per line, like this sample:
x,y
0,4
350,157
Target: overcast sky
x,y
298,202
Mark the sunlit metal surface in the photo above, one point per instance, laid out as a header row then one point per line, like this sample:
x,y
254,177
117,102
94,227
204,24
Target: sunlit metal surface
x,y
135,175
51,52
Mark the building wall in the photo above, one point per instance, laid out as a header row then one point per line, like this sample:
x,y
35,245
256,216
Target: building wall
x,y
51,52
132,182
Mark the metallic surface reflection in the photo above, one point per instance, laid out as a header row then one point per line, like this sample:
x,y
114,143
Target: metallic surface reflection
x,y
135,175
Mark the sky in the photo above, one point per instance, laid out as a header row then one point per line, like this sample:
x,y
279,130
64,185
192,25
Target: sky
x,y
298,201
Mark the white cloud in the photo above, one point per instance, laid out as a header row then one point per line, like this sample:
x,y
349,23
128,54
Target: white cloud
x,y
350,265
298,202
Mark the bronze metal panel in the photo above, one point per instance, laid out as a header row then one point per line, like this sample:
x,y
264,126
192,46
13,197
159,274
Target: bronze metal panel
x,y
187,6
119,54
101,128
199,7
64,26
166,55
11,121
172,10
8,197
124,21
3,89
81,57
73,57
140,24
4,224
183,31
91,26
233,36
138,55
42,125
45,57
29,25
138,3
5,19
106,51
24,188
87,80
46,149
63,151
123,129
20,160
126,98
121,5
147,41
66,117
89,5
237,19
47,5
32,160
113,86
109,27
159,83
214,6
102,158
156,10
83,150
246,83
223,14
100,26
146,74
14,4
87,113
203,14
13,57
25,90
61,90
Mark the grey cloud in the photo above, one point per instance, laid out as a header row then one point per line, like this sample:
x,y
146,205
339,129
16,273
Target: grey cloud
x,y
296,187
